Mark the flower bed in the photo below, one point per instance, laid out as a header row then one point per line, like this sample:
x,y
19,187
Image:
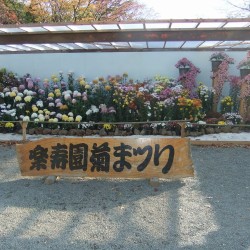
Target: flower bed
x,y
64,104
115,99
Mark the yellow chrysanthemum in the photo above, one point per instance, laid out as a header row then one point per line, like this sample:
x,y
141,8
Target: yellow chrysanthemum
x,y
18,98
221,123
82,82
107,87
9,125
51,94
27,98
65,118
34,108
107,126
12,94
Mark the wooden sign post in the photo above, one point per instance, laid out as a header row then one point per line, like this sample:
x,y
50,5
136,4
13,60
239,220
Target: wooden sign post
x,y
107,157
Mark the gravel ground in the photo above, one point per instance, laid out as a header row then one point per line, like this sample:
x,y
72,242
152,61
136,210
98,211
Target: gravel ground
x,y
210,211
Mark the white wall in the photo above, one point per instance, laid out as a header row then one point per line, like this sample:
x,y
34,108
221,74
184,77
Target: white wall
x,y
139,65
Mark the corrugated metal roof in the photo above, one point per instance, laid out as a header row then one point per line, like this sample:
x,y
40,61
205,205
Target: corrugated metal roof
x,y
153,35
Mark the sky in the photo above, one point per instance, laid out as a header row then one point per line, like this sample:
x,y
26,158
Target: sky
x,y
179,9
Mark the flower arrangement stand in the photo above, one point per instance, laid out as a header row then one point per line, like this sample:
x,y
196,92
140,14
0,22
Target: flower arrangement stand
x,y
216,98
244,109
215,65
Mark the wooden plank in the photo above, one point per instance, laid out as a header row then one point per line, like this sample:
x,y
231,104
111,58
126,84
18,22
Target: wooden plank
x,y
126,36
107,157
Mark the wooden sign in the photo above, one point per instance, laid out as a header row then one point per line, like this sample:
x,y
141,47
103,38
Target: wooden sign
x,y
107,157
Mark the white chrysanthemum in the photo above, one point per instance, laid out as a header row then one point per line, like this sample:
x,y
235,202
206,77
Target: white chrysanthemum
x,y
201,122
34,115
94,109
39,103
26,118
89,112
59,116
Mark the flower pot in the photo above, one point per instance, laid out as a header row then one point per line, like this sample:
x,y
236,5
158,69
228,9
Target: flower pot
x,y
244,72
183,71
215,65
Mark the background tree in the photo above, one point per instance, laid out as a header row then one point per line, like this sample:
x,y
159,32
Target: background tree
x,y
7,16
14,11
86,10
239,8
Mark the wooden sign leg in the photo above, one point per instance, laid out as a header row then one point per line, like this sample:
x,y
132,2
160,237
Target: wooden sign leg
x,y
24,128
182,125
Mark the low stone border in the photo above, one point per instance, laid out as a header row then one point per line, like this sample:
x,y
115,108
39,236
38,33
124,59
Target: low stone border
x,y
220,143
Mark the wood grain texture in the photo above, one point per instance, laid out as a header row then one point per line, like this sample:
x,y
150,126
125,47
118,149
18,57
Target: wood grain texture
x,y
182,165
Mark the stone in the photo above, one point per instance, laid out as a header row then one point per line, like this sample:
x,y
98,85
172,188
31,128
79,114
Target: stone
x,y
124,133
39,131
169,133
72,132
80,132
155,131
193,133
31,131
143,132
209,130
174,133
63,132
129,132
55,131
102,132
235,130
88,132
217,130
117,132
226,129
137,131
50,180
47,131
163,131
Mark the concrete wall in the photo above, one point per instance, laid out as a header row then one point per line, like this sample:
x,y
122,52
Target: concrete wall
x,y
139,65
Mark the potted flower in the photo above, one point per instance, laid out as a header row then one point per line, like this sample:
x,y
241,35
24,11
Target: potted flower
x,y
244,66
226,104
217,58
183,65
220,74
188,73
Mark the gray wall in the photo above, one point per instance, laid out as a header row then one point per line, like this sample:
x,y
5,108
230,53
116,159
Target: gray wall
x,y
139,65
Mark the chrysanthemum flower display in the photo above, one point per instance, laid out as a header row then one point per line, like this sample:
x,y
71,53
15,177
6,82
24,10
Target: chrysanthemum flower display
x,y
226,104
103,99
189,108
